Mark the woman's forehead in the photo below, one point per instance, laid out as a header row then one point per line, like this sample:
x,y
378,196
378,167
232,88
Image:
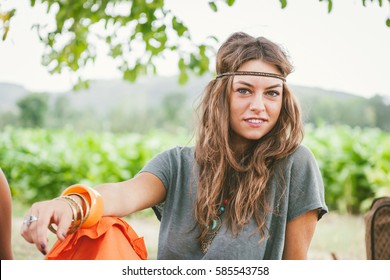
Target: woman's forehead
x,y
258,80
259,65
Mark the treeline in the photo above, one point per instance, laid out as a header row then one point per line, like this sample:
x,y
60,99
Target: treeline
x,y
175,110
350,110
40,110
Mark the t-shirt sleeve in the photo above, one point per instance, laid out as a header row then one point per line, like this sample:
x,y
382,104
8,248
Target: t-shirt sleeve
x,y
306,190
160,166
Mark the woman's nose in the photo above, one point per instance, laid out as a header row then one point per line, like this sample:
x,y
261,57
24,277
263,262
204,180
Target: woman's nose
x,y
257,104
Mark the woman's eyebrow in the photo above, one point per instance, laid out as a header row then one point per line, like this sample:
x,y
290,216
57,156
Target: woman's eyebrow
x,y
274,86
251,85
244,83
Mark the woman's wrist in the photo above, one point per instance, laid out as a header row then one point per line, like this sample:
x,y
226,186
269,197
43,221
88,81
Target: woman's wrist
x,y
86,205
93,199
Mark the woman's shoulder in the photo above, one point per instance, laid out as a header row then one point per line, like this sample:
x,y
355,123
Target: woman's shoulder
x,y
180,152
301,155
175,155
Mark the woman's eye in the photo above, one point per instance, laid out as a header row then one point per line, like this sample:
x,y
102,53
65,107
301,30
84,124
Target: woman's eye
x,y
243,91
273,93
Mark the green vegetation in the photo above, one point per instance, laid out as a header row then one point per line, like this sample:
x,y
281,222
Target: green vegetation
x,y
33,110
355,162
40,163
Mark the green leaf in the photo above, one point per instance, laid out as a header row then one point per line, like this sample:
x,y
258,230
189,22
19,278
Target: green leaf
x,y
183,77
230,2
116,50
181,64
178,26
213,6
212,37
130,75
330,6
81,84
283,3
388,22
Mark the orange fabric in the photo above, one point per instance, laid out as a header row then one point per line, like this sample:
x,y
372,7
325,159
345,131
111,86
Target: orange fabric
x,y
110,239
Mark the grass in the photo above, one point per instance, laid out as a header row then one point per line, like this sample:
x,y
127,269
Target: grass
x,y
337,236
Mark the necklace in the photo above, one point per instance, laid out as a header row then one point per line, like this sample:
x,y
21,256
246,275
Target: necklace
x,y
213,228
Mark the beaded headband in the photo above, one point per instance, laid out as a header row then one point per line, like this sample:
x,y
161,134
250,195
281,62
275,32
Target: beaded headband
x,y
250,73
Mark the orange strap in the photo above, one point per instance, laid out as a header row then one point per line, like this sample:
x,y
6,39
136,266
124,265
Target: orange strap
x,y
110,239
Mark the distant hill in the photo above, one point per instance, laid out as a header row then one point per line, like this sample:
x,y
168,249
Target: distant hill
x,y
9,95
104,95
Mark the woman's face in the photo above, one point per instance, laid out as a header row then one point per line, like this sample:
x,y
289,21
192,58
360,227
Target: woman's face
x,y
255,103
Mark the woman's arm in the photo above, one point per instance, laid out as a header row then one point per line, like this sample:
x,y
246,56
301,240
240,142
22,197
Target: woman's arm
x,y
143,191
119,199
299,234
5,219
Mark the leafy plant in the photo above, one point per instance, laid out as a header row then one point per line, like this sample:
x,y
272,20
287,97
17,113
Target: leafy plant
x,y
39,164
354,163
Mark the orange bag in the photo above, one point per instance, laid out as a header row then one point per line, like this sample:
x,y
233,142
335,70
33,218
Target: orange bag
x,y
110,239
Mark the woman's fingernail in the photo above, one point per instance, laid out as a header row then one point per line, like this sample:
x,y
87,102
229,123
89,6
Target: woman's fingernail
x,y
43,249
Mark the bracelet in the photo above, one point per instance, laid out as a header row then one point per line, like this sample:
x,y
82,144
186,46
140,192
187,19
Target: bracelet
x,y
76,223
74,226
86,207
94,200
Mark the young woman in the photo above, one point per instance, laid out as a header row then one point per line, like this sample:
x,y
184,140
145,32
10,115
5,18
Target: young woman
x,y
247,190
5,219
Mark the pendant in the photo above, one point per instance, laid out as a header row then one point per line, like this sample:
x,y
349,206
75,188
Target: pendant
x,y
215,226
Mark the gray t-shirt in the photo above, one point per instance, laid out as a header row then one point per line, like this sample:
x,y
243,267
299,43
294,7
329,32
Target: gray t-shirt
x,y
178,231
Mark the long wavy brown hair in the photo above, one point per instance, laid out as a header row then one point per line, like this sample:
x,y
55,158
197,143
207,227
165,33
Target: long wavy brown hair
x,y
223,173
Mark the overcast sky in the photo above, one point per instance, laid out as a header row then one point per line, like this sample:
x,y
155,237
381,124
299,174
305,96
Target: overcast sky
x,y
346,50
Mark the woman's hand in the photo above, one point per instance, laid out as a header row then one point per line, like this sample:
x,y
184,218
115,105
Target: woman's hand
x,y
40,216
119,199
